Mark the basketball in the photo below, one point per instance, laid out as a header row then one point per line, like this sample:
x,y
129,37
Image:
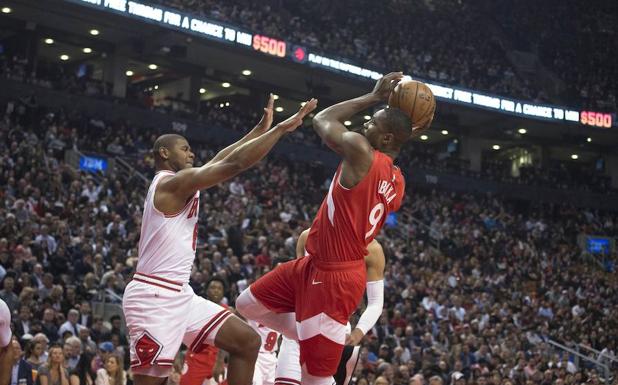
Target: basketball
x,y
416,100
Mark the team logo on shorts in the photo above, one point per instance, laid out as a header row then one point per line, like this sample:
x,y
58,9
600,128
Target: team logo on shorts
x,y
147,349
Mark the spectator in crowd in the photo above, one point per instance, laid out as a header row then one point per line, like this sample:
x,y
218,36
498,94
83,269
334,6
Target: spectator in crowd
x,y
34,353
71,324
113,372
83,374
54,371
22,370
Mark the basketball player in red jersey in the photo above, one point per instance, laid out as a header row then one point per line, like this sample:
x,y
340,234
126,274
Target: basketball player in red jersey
x,y
160,308
310,299
209,363
288,362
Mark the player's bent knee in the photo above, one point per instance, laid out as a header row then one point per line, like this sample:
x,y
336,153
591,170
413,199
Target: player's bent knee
x,y
238,338
248,305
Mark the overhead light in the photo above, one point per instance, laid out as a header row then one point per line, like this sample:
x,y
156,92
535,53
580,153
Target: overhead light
x,y
424,137
574,156
225,85
246,72
279,109
156,87
444,132
94,32
87,50
367,117
347,123
152,66
49,41
227,104
522,131
589,139
64,57
202,90
6,10
221,105
496,147
275,96
129,73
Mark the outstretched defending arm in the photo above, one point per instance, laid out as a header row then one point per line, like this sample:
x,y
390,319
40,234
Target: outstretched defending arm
x,y
185,182
262,126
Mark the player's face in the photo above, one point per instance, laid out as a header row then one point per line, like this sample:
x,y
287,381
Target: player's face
x,y
215,291
373,129
181,156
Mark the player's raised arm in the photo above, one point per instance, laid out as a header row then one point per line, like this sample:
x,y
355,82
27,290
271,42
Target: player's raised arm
x,y
262,126
353,147
187,181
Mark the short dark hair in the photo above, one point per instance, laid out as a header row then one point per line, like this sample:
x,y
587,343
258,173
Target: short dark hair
x,y
167,141
399,124
216,278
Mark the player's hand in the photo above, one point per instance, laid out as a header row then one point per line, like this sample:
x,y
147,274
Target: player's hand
x,y
218,371
294,121
267,119
386,85
354,338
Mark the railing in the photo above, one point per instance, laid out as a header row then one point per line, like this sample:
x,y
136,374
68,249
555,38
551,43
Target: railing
x,y
127,171
434,236
600,366
105,310
598,353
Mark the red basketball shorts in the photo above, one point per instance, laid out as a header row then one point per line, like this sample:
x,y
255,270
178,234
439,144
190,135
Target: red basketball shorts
x,y
323,295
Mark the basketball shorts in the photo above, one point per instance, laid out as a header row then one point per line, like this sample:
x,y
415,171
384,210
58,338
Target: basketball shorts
x,y
198,366
265,366
160,315
322,295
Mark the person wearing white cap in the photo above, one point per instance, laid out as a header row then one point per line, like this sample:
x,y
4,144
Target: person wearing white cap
x,y
6,350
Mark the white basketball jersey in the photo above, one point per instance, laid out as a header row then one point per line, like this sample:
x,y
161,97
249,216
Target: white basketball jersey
x,y
167,242
269,337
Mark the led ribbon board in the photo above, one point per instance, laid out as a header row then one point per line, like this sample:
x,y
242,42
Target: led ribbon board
x,y
169,18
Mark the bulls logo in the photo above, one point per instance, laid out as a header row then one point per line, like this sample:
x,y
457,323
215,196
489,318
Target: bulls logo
x,y
147,349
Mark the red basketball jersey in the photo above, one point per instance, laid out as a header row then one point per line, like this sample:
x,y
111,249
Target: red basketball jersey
x,y
349,219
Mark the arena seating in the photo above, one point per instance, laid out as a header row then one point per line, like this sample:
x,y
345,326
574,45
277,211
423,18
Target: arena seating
x,y
506,279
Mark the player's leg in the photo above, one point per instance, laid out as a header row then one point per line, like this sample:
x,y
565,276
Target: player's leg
x,y
243,344
323,315
288,370
212,324
251,308
347,364
271,299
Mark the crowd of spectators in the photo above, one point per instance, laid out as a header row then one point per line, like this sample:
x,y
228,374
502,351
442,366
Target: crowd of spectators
x,y
480,311
429,43
573,40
